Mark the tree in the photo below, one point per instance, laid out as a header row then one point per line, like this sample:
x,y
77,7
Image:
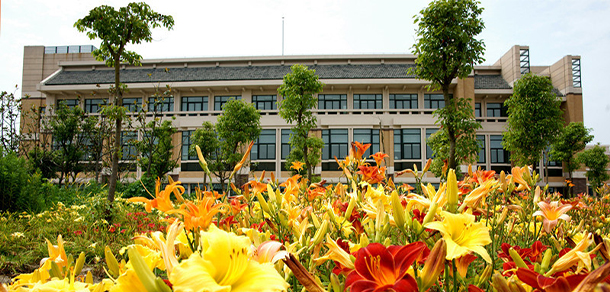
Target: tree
x,y
68,142
156,149
596,161
534,119
96,131
131,24
572,139
10,107
299,89
239,124
466,145
446,48
207,139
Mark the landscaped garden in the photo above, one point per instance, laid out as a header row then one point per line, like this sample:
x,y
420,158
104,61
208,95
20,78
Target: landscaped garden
x,y
487,231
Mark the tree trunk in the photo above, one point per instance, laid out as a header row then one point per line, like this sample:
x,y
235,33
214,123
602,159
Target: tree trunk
x,y
117,134
450,107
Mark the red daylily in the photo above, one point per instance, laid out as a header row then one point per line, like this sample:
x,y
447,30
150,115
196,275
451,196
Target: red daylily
x,y
543,283
380,269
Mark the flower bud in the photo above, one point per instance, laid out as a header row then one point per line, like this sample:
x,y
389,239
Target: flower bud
x,y
452,191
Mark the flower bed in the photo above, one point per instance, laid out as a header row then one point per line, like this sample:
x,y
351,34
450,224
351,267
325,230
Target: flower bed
x,y
487,230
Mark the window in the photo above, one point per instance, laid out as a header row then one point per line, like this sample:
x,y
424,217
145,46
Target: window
x,y
429,152
70,103
264,147
497,152
335,144
132,104
403,101
477,109
368,101
434,101
220,101
161,104
286,143
481,141
496,110
265,102
194,103
94,105
332,101
367,136
407,144
186,145
129,150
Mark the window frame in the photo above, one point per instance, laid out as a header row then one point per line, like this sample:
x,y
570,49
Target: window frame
x,y
134,106
330,99
360,100
186,103
258,146
166,103
91,103
402,99
434,101
220,100
400,133
265,100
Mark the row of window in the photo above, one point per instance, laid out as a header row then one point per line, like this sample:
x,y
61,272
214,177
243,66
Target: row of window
x,y
407,145
269,102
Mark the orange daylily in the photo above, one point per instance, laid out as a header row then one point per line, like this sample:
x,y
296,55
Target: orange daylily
x,y
257,186
372,174
379,156
162,201
199,215
297,165
359,149
292,185
313,193
517,176
242,161
551,213
481,176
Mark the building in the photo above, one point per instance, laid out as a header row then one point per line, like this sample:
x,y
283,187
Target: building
x,y
366,98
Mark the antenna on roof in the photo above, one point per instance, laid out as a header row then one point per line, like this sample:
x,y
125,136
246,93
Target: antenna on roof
x,y
282,35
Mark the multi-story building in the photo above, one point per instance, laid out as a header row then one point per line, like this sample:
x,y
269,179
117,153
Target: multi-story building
x,y
366,98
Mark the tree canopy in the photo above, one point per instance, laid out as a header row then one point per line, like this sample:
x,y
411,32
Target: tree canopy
x,y
596,161
446,48
238,125
572,139
534,119
299,89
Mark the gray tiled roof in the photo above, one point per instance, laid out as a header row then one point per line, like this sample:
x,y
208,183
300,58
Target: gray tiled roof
x,y
490,82
139,75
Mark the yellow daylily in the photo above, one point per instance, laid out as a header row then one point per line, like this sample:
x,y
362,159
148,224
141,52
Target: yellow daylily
x,y
462,235
224,264
61,286
335,253
476,198
576,256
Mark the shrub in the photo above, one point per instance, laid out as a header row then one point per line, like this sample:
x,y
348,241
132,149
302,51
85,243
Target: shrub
x,y
13,177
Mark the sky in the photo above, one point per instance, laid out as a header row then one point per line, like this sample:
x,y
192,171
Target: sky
x,y
551,28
